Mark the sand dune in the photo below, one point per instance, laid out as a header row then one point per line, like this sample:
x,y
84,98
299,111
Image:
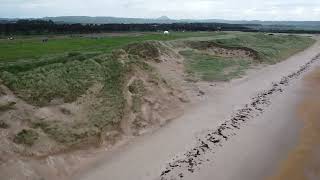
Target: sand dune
x,y
253,153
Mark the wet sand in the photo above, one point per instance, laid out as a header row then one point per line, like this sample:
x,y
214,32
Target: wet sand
x,y
303,162
254,152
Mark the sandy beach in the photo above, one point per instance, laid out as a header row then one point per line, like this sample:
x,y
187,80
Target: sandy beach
x,y
303,161
251,149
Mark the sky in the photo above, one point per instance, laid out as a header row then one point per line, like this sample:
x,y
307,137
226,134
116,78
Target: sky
x,y
175,9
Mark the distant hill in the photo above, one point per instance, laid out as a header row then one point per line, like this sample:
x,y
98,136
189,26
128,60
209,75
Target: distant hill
x,y
164,18
310,25
273,25
109,20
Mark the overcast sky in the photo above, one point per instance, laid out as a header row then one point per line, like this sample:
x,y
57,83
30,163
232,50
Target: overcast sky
x,y
176,9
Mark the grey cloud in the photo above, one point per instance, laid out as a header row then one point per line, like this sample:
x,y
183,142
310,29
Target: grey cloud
x,y
222,9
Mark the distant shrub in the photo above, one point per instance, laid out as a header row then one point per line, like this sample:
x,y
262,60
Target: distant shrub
x,y
4,125
72,54
26,137
66,133
136,87
148,50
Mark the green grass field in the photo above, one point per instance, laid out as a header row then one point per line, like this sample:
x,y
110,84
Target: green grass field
x,y
25,48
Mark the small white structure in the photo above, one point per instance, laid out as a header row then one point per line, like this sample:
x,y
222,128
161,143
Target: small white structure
x,y
166,33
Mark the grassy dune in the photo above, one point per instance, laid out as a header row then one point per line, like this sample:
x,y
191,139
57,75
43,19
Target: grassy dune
x,y
214,68
271,48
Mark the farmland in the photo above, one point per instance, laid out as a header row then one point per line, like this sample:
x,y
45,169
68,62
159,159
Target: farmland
x,y
30,48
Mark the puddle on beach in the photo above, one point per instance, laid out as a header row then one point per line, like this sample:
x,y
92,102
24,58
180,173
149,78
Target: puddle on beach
x,y
303,162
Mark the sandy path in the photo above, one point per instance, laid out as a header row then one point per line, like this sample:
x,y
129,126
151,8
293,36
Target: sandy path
x,y
148,156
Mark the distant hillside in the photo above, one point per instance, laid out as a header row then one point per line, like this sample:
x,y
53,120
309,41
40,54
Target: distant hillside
x,y
265,25
166,18
307,25
109,20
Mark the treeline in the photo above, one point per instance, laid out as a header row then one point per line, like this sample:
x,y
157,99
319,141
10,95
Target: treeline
x,y
33,27
36,27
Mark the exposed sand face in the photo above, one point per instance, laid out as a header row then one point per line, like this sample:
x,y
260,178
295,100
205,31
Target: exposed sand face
x,y
143,159
303,162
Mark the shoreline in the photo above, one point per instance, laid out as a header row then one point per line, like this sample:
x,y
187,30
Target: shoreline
x,y
273,106
303,161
